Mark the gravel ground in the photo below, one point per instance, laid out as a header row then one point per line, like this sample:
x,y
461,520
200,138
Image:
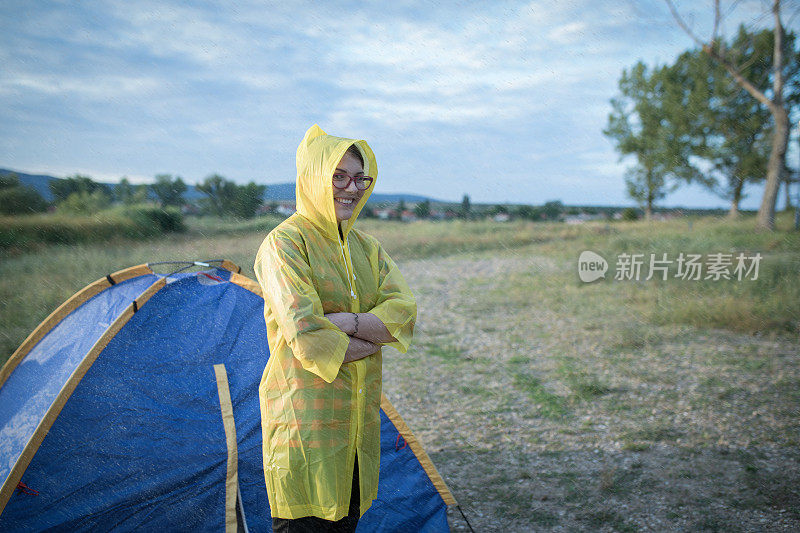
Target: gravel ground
x,y
543,418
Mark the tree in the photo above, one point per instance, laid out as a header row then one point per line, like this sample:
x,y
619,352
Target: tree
x,y
130,194
18,199
63,188
730,129
219,193
225,197
647,122
466,207
169,190
247,200
423,209
9,181
528,212
715,48
498,209
553,209
124,191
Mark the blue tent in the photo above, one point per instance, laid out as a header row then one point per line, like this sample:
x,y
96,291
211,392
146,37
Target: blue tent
x,y
135,406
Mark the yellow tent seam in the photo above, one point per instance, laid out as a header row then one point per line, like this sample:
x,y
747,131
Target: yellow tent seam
x,y
416,447
231,480
25,458
246,283
230,266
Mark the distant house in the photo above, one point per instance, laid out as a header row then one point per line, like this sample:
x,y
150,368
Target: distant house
x,y
668,215
580,218
501,217
408,216
286,209
385,213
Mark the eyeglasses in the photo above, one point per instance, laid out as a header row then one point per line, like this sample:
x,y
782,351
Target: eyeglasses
x,y
342,181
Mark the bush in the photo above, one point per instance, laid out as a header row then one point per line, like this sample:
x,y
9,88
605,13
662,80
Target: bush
x,y
131,222
22,232
630,213
85,202
166,219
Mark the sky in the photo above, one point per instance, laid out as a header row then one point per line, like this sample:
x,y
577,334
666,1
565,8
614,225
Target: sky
x,y
502,101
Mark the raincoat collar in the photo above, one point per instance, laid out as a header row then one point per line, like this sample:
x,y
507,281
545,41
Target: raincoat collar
x,y
317,157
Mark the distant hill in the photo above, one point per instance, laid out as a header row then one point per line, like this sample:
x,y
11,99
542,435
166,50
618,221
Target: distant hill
x,y
37,181
276,192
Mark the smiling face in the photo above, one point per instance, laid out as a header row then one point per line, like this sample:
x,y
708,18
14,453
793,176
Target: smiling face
x,y
345,200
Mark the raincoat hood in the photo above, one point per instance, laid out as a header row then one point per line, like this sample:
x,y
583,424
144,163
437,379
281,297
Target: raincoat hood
x,y
317,157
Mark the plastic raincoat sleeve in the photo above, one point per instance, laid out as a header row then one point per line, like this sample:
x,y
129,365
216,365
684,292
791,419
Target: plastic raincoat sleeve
x,y
396,305
286,281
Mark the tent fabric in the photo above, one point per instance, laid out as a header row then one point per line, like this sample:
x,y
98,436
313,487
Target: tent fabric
x,y
140,439
30,392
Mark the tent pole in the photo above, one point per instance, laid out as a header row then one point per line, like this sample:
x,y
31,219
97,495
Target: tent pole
x,y
465,518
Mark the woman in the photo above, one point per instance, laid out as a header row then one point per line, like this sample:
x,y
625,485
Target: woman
x,y
332,298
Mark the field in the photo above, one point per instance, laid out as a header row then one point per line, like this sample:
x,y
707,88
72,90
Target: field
x,y
545,402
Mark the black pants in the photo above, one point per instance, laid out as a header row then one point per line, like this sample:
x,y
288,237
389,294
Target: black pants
x,y
315,524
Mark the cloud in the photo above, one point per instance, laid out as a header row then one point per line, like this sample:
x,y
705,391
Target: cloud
x,y
568,33
517,90
99,88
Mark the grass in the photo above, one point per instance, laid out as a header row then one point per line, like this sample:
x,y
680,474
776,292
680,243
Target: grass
x,y
596,519
583,385
768,305
548,404
559,383
447,352
652,433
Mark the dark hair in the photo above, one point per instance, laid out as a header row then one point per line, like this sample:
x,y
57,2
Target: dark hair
x,y
355,152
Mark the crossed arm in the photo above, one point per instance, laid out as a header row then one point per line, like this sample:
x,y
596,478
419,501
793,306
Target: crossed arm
x,y
365,340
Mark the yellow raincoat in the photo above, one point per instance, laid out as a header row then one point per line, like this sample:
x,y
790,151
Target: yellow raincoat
x,y
317,412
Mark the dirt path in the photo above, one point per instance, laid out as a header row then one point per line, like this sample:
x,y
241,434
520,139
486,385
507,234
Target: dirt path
x,y
543,417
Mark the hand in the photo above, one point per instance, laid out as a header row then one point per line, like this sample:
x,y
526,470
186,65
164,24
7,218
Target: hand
x,y
359,349
344,321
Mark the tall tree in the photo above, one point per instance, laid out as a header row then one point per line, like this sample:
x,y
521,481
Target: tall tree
x,y
247,200
423,209
640,126
219,192
715,48
727,128
169,190
124,191
225,197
